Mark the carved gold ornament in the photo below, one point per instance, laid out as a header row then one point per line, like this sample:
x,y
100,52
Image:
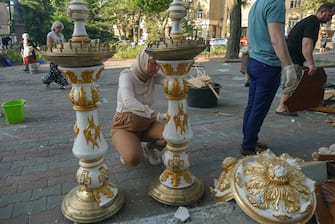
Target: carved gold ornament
x,y
92,133
71,76
87,76
104,174
75,130
105,189
84,178
182,69
176,176
180,119
272,189
222,186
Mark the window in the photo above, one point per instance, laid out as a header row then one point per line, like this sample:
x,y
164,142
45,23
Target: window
x,y
292,22
199,14
295,4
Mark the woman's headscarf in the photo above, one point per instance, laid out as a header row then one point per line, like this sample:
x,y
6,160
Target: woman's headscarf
x,y
140,65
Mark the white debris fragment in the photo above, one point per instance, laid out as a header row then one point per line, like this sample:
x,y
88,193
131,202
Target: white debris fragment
x,y
182,214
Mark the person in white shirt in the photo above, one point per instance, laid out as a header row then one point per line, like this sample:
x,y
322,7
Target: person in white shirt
x,y
55,35
28,51
54,74
135,121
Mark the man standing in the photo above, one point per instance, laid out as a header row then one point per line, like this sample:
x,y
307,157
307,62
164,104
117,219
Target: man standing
x,y
301,43
268,52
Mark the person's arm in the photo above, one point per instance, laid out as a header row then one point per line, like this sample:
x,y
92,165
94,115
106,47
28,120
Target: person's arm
x,y
279,43
307,52
126,90
159,78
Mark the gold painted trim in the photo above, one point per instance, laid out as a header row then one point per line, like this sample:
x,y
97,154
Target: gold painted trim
x,y
105,190
181,119
182,68
176,176
91,160
177,145
85,108
92,132
76,130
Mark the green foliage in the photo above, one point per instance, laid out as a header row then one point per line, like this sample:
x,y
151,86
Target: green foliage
x,y
217,51
151,6
154,31
127,51
36,16
14,55
188,27
311,6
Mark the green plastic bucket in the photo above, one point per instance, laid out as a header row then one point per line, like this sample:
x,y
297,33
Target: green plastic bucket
x,y
13,110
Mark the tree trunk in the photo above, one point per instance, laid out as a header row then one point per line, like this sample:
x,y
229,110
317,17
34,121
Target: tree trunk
x,y
233,47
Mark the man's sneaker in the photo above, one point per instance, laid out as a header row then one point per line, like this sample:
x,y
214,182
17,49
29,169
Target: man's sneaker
x,y
152,154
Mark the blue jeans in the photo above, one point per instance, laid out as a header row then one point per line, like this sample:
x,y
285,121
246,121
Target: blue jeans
x,y
264,83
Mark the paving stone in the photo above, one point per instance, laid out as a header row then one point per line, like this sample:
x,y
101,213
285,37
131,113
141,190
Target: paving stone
x,y
30,206
6,211
49,191
15,198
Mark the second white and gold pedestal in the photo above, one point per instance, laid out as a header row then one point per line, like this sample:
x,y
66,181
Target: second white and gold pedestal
x,y
176,185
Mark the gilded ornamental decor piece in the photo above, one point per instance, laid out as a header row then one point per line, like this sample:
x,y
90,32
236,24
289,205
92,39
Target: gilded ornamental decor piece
x,y
175,56
81,61
268,188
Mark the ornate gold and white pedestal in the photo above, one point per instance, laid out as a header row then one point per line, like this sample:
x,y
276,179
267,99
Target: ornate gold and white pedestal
x,y
95,198
176,185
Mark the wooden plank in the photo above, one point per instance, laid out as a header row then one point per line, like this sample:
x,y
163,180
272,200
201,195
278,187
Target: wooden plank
x,y
309,92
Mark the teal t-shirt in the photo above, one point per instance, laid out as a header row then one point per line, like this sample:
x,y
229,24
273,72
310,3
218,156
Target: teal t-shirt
x,y
261,14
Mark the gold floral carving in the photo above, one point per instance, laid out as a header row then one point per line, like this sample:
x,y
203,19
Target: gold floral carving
x,y
104,174
95,94
98,75
71,76
185,86
166,86
82,97
75,130
92,133
224,180
176,92
105,189
182,69
175,164
180,119
84,178
175,176
71,96
87,76
277,181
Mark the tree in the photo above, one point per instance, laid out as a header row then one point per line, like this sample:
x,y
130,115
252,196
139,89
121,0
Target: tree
x,y
36,17
310,6
233,47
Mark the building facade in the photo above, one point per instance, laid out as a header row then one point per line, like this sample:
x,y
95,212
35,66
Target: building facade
x,y
209,17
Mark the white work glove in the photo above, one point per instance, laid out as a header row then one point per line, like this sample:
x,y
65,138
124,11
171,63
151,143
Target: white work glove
x,y
161,117
291,75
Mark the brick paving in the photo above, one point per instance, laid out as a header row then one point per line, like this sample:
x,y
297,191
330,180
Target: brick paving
x,y
37,167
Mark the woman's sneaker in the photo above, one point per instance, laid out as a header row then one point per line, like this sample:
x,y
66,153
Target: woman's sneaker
x,y
153,155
